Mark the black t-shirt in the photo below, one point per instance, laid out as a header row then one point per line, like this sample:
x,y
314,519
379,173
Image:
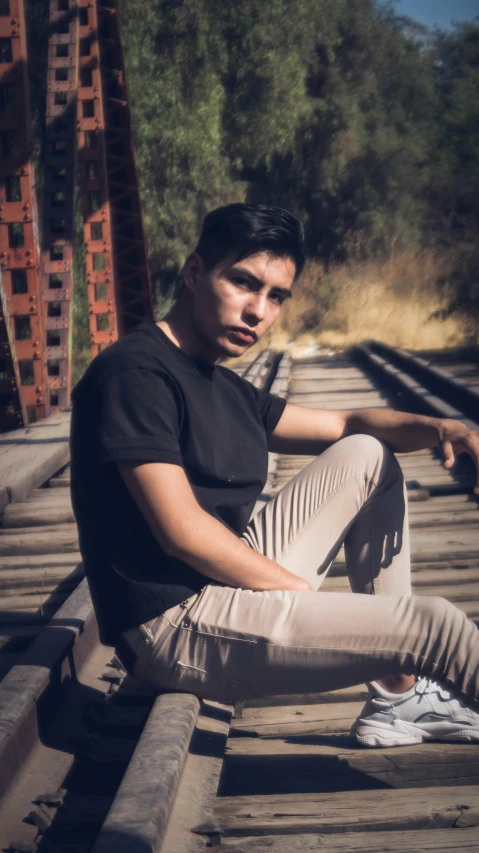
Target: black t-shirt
x,y
144,399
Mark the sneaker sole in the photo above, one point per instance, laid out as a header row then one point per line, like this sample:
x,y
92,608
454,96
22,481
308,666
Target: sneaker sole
x,y
381,739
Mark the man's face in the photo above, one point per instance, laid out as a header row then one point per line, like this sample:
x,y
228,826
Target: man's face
x,y
236,303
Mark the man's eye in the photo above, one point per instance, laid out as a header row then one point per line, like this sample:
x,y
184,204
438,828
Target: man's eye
x,y
278,297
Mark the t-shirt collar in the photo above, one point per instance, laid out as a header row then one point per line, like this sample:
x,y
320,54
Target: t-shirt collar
x,y
197,364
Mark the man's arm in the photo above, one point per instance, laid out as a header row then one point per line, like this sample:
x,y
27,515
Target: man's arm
x,y
186,531
310,431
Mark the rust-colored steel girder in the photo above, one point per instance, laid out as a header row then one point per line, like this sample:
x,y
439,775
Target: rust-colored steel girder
x,y
22,377
93,185
119,291
59,200
133,286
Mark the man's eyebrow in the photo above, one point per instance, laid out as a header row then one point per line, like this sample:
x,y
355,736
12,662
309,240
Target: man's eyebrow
x,y
285,291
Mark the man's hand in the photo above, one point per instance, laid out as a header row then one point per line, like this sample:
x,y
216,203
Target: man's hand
x,y
455,438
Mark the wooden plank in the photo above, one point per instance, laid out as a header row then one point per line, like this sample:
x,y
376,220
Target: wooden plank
x,y
53,539
439,841
140,811
347,694
44,596
317,773
446,519
346,748
40,561
47,492
17,577
454,589
195,801
46,500
359,812
307,712
297,720
33,454
17,517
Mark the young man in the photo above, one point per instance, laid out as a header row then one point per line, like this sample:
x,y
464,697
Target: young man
x,y
169,453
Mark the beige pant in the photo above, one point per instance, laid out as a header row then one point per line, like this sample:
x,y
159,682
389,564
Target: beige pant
x,y
229,644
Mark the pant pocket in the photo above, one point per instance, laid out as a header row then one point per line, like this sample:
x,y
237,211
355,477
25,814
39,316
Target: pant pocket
x,y
207,685
180,616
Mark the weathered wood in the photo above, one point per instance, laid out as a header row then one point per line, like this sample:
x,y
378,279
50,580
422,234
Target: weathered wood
x,y
358,812
16,517
439,841
195,801
30,680
296,773
46,493
32,455
53,539
347,694
454,519
34,503
298,712
18,577
40,561
451,588
60,482
297,720
139,815
47,595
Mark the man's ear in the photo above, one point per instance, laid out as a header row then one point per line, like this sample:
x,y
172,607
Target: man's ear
x,y
193,269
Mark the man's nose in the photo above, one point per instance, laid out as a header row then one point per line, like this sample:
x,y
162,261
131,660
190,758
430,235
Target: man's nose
x,y
256,306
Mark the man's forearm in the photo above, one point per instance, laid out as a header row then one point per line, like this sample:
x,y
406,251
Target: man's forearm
x,y
401,431
185,530
204,543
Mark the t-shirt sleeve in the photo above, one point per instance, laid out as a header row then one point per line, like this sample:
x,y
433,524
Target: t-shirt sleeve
x,y
270,407
139,418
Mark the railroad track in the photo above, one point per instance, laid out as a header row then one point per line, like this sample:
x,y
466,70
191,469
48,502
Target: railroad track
x,y
96,763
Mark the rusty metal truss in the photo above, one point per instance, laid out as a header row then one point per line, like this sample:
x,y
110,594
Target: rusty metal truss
x,y
58,218
22,377
119,291
102,305
88,140
133,287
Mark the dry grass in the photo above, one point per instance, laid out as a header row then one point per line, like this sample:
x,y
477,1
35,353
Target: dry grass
x,y
402,300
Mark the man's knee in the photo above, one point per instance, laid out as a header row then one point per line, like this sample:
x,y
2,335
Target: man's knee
x,y
437,618
376,459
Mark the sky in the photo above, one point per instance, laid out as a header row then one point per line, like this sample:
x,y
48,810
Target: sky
x,y
438,12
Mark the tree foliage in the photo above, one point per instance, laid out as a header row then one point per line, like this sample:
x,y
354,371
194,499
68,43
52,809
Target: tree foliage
x,y
358,121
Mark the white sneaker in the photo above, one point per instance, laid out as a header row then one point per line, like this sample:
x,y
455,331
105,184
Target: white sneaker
x,y
426,712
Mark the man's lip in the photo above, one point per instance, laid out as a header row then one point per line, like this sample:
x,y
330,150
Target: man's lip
x,y
244,333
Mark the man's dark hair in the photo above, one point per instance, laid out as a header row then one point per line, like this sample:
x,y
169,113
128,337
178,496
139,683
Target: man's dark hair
x,y
240,230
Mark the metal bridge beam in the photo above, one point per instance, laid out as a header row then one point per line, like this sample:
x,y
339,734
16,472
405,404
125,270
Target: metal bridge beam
x,y
59,201
119,291
22,377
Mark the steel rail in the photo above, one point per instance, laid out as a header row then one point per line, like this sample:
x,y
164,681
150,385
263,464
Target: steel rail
x,y
452,390
428,398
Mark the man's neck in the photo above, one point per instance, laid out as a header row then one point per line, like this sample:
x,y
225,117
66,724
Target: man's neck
x,y
179,327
